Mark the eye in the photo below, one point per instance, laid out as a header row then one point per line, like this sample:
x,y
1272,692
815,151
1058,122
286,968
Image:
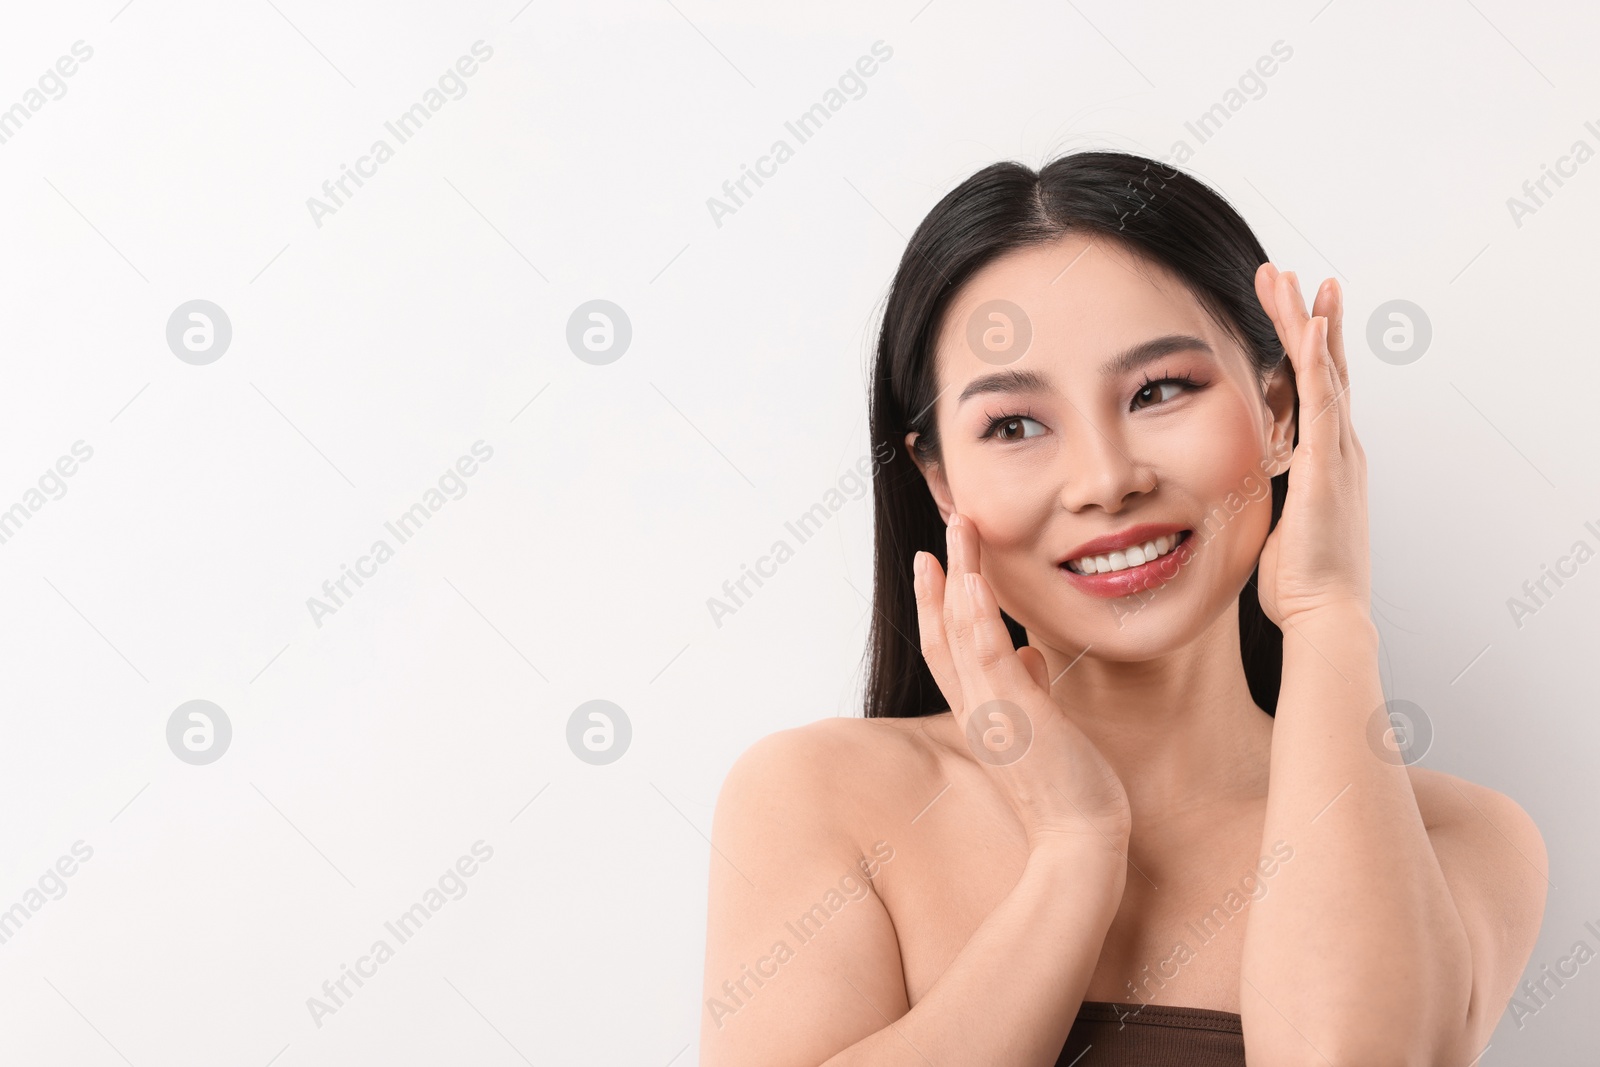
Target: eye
x,y
1161,390
1009,425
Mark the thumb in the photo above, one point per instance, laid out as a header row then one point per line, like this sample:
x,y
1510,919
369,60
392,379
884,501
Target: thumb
x,y
1033,659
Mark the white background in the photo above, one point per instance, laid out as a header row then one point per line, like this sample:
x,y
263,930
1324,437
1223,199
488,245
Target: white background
x,y
430,312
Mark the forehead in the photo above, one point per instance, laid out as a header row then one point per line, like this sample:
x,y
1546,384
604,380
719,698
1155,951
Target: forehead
x,y
1082,298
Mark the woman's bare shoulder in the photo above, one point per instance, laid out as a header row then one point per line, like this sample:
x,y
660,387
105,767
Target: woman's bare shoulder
x,y
794,847
842,770
1453,805
1494,862
1484,833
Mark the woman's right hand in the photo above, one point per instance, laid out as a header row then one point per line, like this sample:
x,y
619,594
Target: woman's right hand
x,y
1061,787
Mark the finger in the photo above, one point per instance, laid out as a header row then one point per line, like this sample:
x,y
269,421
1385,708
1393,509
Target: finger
x,y
1319,391
1267,293
962,544
964,551
1291,308
1339,396
1266,274
1330,305
999,672
929,586
959,612
992,650
1005,677
998,679
1281,299
1037,668
1294,326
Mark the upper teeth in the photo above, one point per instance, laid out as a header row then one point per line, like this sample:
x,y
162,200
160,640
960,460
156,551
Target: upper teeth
x,y
1132,556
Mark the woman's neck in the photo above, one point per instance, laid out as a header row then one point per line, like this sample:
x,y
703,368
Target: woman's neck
x,y
1180,730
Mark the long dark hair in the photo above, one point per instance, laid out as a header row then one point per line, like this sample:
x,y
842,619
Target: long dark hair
x,y
1153,210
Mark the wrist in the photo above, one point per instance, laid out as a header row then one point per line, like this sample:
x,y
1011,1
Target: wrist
x,y
1081,856
1345,617
1078,880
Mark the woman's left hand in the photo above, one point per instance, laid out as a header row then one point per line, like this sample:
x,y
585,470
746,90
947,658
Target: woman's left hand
x,y
1317,558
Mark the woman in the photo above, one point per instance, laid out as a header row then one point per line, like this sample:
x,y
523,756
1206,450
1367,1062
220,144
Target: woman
x,y
1172,823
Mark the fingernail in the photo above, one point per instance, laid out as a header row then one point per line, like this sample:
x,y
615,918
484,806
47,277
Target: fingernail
x,y
918,567
955,518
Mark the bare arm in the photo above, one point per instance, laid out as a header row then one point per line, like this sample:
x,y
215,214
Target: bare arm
x,y
1358,953
1382,943
1011,994
839,998
1412,941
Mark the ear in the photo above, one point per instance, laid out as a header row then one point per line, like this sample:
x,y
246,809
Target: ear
x,y
1279,397
933,474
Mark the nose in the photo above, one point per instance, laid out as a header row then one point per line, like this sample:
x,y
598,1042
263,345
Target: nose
x,y
1100,471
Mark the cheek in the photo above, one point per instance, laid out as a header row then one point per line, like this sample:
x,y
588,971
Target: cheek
x,y
1010,508
1231,464
1231,438
1227,462
1221,449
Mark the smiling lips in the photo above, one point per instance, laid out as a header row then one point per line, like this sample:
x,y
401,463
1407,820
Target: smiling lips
x,y
1139,558
1132,556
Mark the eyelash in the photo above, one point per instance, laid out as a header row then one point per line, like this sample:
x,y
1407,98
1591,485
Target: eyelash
x,y
997,421
1179,379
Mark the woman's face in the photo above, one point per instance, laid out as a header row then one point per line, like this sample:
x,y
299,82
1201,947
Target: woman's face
x,y
1051,441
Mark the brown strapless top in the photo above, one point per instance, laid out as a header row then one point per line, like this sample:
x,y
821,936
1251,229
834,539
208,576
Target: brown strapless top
x,y
1152,1035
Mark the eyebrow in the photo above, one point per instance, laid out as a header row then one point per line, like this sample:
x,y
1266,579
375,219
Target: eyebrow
x,y
1130,359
